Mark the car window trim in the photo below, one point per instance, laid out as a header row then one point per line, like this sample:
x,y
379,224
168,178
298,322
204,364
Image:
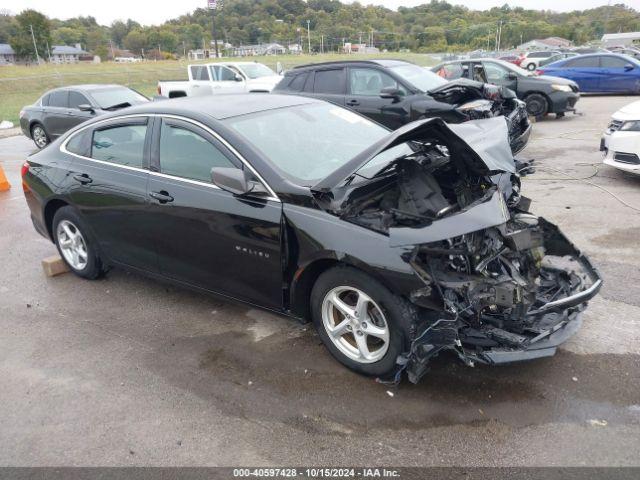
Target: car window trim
x,y
272,194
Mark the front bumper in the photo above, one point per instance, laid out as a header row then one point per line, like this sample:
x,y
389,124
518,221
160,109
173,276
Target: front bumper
x,y
561,102
621,150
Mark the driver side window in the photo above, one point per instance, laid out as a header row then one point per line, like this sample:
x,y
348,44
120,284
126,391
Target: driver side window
x,y
185,154
495,73
224,74
370,82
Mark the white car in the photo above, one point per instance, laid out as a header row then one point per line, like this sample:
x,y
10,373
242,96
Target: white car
x,y
621,140
224,77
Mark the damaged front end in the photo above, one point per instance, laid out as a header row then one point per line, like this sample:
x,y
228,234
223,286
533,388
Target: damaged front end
x,y
500,284
476,101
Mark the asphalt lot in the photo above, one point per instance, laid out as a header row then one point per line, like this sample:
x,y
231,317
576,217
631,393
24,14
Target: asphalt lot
x,y
128,371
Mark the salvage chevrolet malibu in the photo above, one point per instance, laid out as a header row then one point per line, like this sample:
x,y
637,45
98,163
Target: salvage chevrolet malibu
x,y
397,245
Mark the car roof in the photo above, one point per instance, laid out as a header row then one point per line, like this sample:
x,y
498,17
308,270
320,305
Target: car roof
x,y
386,63
88,87
222,106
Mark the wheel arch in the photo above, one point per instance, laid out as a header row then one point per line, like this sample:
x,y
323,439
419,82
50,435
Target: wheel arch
x,y
50,210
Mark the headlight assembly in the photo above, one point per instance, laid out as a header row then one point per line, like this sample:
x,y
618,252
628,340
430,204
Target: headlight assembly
x,y
476,105
632,126
561,88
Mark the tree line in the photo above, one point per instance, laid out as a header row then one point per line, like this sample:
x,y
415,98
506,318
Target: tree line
x,y
435,26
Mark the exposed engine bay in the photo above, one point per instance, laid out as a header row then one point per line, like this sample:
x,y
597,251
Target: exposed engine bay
x,y
500,284
477,100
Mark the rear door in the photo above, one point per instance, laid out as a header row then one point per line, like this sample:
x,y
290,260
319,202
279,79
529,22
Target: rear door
x,y
618,75
329,84
56,118
365,86
585,71
206,236
201,81
110,188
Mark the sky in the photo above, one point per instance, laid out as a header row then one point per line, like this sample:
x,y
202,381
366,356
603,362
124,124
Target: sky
x,y
153,12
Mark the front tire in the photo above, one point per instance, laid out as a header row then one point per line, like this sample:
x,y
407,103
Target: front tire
x,y
39,136
537,105
75,244
363,324
531,67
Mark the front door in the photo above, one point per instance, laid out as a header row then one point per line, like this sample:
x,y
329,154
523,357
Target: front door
x,y
365,86
110,189
499,75
75,116
205,236
56,118
227,81
618,75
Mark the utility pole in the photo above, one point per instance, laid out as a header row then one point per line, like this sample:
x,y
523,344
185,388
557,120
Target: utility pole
x,y
35,46
322,44
213,6
309,35
111,45
499,36
48,51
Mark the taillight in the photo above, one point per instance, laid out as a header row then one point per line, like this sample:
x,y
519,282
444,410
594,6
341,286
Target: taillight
x,y
24,169
539,72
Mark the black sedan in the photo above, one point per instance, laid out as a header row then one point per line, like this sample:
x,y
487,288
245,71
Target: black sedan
x,y
63,108
397,245
543,94
394,93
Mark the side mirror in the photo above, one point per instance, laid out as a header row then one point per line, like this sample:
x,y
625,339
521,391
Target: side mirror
x,y
279,68
238,78
391,92
85,107
232,180
628,67
512,76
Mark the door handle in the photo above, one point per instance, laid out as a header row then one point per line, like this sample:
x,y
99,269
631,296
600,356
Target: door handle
x,y
353,103
83,178
162,196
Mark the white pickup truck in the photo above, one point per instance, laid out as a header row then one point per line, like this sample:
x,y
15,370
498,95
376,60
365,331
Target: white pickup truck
x,y
223,77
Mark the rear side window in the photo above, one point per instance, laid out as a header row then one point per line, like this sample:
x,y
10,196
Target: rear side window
x,y
583,62
45,100
539,55
59,98
186,154
121,145
330,81
76,99
199,72
80,143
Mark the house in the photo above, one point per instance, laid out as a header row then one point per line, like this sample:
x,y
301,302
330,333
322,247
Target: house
x,y
7,55
295,48
261,49
66,54
549,43
203,54
359,48
617,39
121,55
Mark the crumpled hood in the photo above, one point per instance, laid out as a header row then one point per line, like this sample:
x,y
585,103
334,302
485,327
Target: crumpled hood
x,y
482,144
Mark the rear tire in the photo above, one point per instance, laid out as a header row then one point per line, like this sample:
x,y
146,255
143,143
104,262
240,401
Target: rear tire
x,y
537,105
531,67
39,136
381,328
75,244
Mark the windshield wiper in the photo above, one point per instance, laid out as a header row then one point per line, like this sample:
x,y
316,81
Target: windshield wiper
x,y
118,106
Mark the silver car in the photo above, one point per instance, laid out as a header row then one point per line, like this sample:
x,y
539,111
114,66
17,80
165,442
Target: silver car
x,y
61,109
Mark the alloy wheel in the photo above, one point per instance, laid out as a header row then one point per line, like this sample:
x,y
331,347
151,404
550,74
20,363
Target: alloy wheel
x,y
40,136
72,245
355,324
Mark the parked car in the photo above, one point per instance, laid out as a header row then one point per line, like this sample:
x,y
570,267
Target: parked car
x,y
395,93
531,60
397,245
556,57
542,94
621,140
61,109
223,77
515,59
629,51
601,73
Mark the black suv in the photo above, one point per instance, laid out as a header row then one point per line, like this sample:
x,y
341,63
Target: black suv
x,y
394,93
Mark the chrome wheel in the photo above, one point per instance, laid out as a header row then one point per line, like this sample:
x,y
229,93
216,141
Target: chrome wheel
x,y
39,136
355,324
72,245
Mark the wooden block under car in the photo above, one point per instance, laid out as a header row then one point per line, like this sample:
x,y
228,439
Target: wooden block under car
x,y
54,265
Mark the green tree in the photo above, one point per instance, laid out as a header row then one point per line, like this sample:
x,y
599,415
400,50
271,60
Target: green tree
x,y
22,41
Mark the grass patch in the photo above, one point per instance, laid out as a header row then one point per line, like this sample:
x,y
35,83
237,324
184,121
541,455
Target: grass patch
x,y
22,85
